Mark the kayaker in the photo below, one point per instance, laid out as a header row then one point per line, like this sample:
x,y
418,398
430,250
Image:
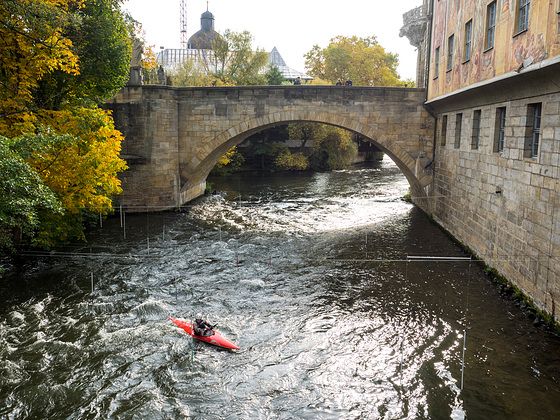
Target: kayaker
x,y
201,327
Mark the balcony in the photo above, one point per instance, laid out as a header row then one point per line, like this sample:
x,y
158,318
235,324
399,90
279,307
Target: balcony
x,y
414,25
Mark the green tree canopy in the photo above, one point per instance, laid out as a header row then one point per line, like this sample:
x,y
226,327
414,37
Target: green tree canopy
x,y
305,131
102,41
362,60
23,194
274,76
233,60
336,151
191,73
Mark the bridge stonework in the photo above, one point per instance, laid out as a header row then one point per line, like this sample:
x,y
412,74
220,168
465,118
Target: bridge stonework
x,y
174,136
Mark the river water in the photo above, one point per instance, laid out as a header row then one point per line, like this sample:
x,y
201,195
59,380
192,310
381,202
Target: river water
x,y
314,277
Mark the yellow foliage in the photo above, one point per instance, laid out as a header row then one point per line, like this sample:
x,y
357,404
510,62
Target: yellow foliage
x,y
225,159
149,61
83,173
29,49
319,81
363,60
291,161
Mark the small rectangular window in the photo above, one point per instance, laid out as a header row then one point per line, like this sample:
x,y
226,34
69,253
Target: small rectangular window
x,y
533,130
444,130
450,52
468,40
458,128
476,129
523,22
490,25
436,67
500,130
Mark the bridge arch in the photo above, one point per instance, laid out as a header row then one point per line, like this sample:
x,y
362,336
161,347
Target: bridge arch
x,y
235,135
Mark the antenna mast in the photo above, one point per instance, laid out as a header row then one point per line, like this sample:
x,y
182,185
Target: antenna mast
x,y
184,39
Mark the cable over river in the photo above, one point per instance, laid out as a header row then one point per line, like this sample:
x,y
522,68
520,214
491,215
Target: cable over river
x,y
312,276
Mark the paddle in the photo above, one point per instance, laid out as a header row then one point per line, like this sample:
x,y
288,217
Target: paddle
x,y
192,343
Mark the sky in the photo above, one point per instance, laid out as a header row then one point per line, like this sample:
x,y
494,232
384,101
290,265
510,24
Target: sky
x,y
293,28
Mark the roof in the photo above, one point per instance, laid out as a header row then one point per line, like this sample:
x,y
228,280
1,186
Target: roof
x,y
207,15
202,40
288,72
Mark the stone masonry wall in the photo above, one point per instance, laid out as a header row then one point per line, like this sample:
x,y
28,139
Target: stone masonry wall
x,y
150,148
504,205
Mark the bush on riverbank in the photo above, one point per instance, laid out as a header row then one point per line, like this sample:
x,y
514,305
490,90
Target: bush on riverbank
x,y
318,147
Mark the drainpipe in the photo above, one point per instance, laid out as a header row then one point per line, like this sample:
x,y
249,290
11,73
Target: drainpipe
x,y
427,107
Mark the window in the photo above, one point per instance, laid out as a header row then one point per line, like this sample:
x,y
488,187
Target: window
x,y
490,25
444,130
468,40
533,130
436,69
499,133
523,22
458,128
450,53
476,129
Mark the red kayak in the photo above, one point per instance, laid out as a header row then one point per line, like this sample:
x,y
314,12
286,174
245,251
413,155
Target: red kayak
x,y
215,339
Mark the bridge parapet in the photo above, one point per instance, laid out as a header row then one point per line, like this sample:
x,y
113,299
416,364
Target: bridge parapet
x,y
175,136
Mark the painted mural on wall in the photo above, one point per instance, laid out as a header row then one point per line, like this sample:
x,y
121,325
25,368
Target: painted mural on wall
x,y
512,49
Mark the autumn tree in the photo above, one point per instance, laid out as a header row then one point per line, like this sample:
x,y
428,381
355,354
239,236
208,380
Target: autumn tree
x,y
305,131
191,73
333,147
101,40
229,163
288,161
32,45
362,60
337,150
58,60
150,63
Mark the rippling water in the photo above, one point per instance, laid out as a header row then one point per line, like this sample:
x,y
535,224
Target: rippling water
x,y
309,275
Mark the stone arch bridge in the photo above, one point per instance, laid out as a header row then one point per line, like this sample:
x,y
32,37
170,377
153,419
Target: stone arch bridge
x,y
175,135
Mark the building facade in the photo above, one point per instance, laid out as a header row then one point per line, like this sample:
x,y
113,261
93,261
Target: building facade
x,y
493,83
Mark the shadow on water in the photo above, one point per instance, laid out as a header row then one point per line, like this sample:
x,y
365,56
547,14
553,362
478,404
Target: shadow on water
x,y
309,275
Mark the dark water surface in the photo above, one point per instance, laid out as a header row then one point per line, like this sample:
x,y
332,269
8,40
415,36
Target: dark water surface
x,y
309,275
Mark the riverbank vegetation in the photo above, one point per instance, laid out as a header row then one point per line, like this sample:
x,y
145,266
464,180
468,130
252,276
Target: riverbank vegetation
x,y
303,146
59,60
